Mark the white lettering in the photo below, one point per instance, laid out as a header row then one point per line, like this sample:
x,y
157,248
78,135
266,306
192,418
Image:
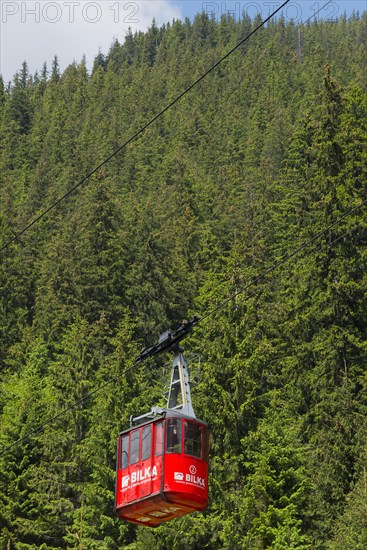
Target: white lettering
x,y
27,10
296,15
96,11
8,8
116,12
134,11
250,6
139,476
232,11
210,8
52,12
71,6
195,480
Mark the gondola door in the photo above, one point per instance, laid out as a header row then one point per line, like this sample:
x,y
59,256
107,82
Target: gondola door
x,y
134,465
141,467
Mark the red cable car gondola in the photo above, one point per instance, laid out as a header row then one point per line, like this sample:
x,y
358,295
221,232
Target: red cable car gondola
x,y
162,460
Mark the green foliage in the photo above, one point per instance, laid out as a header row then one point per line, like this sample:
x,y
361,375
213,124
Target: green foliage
x,y
268,150
351,527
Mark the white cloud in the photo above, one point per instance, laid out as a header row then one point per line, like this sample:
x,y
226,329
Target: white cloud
x,y
36,31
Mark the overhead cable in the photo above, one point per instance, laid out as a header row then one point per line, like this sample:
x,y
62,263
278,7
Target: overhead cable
x,y
142,129
171,338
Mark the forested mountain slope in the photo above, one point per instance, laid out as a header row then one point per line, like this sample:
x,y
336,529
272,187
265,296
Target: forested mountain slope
x,y
267,151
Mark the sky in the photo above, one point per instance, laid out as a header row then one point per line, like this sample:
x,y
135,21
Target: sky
x,y
36,30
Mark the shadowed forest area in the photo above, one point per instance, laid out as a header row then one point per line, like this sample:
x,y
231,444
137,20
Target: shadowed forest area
x,y
267,151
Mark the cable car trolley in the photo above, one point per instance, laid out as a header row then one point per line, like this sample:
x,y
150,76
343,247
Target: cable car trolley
x,y
162,459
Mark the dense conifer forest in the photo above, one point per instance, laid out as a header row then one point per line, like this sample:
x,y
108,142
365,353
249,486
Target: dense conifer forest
x,y
264,153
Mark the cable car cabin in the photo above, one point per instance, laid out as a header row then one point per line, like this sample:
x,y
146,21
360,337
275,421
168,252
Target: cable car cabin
x,y
162,469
